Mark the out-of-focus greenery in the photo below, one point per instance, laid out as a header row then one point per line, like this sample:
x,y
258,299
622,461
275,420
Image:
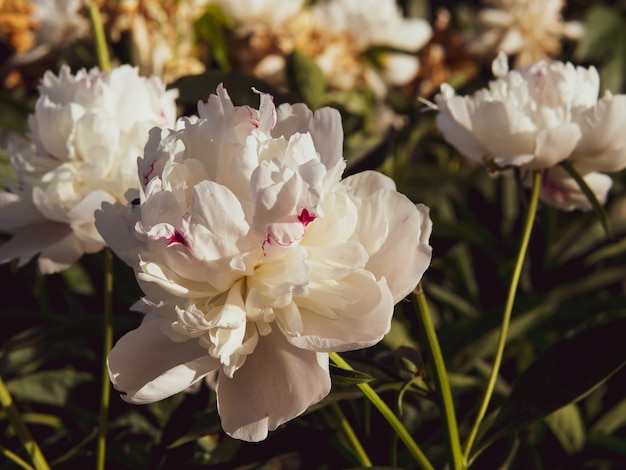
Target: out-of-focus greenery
x,y
559,402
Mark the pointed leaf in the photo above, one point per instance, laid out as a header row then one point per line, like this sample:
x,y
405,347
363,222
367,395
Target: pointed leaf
x,y
565,373
348,377
51,387
306,78
567,425
613,420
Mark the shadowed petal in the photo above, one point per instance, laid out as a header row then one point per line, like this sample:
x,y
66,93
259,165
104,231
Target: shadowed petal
x,y
30,240
358,325
400,259
145,365
277,383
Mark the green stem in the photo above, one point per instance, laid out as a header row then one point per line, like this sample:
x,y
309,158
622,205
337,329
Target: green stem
x,y
391,418
20,428
441,379
349,433
530,218
100,39
105,65
108,343
15,458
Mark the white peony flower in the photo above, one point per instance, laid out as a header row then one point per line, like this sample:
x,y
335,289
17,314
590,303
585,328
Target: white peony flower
x,y
60,24
530,30
87,131
257,259
374,23
536,118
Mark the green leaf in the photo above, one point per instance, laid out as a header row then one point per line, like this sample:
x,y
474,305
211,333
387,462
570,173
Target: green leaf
x,y
348,377
602,25
565,373
306,78
604,41
50,387
613,420
212,27
567,425
77,280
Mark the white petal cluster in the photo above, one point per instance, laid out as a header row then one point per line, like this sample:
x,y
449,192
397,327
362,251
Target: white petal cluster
x,y
257,259
86,133
537,117
334,33
60,23
375,23
529,30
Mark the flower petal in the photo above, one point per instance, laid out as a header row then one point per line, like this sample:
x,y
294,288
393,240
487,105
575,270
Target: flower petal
x,y
560,190
554,145
454,122
32,239
63,253
603,143
355,325
400,259
277,383
324,126
116,225
145,365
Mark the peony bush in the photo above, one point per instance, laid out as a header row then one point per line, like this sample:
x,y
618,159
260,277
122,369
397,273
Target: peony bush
x,y
312,235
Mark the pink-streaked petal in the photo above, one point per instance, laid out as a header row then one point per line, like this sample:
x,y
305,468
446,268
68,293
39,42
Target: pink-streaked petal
x,y
217,222
277,383
145,365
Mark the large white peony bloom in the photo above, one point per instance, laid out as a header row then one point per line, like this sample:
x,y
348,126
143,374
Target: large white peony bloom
x,y
537,117
257,259
87,131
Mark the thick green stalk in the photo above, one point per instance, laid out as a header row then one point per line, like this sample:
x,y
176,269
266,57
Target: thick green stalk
x,y
441,379
349,433
508,309
391,418
20,428
105,393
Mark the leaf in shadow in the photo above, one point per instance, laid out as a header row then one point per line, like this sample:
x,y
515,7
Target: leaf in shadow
x,y
565,373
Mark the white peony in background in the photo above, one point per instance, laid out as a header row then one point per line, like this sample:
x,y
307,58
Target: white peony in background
x,y
536,118
257,259
85,134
